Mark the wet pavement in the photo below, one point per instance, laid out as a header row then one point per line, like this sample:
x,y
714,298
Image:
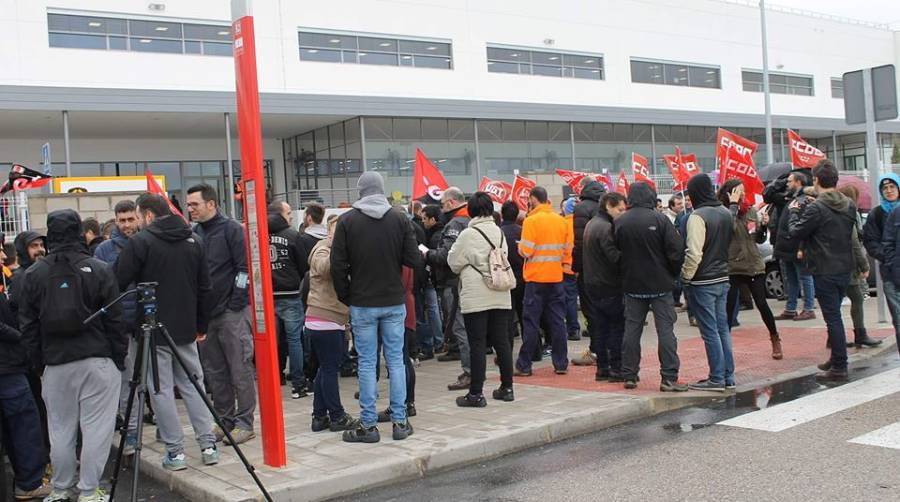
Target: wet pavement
x,y
608,462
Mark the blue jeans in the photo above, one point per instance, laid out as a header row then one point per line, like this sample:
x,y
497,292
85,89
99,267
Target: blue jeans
x,y
709,306
795,278
892,295
329,347
830,291
429,329
290,312
367,323
570,283
27,451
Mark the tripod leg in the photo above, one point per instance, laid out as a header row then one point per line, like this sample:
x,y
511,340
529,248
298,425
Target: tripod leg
x,y
129,411
209,405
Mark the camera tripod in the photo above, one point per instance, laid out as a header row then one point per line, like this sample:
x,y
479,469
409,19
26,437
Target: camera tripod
x,y
145,361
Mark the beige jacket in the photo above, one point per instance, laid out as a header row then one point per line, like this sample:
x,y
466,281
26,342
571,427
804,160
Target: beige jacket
x,y
469,258
323,302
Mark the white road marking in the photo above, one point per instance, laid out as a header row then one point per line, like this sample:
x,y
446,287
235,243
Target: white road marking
x,y
808,408
886,437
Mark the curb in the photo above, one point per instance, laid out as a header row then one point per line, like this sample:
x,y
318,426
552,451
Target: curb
x,y
462,452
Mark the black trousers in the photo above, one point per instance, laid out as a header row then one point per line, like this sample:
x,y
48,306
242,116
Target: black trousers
x,y
489,326
757,285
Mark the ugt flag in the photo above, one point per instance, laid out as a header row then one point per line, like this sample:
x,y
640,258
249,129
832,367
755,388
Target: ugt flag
x,y
498,191
428,182
521,190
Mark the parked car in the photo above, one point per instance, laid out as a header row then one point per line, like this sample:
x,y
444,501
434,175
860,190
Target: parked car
x,y
774,281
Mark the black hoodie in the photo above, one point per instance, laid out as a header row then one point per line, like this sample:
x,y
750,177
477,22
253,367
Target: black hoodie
x,y
168,252
223,241
584,211
104,336
289,261
827,228
652,250
21,242
709,230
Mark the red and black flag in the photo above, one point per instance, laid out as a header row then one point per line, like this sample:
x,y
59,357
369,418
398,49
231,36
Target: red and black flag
x,y
23,178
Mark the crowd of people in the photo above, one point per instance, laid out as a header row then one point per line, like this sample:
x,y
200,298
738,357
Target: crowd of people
x,y
454,281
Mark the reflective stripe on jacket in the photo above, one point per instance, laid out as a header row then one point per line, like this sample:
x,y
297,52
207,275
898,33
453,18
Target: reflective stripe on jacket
x,y
546,245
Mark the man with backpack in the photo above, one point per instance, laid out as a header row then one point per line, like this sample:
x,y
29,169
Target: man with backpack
x,y
81,363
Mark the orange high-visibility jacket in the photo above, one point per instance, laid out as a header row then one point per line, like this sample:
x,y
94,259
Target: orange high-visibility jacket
x,y
546,245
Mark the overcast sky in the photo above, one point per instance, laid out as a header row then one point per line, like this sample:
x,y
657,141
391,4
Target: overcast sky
x,y
878,11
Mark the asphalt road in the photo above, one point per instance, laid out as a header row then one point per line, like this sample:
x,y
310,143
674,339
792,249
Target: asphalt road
x,y
688,456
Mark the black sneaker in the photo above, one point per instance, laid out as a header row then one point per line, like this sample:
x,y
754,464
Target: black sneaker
x,y
504,394
471,401
410,410
345,423
319,424
672,386
426,356
615,376
601,375
574,337
362,434
630,383
708,386
402,431
384,416
298,392
449,356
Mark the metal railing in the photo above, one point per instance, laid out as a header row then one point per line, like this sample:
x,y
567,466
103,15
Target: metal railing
x,y
13,214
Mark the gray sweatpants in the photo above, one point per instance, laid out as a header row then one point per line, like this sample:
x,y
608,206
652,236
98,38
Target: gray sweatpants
x,y
167,421
450,296
227,355
81,394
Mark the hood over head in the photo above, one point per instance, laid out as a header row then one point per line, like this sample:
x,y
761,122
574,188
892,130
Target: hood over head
x,y
170,228
372,201
277,223
593,191
700,190
21,243
887,205
370,183
641,195
64,232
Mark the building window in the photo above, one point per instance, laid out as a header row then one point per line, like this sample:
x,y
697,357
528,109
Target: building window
x,y
552,64
779,83
682,74
116,34
837,88
386,51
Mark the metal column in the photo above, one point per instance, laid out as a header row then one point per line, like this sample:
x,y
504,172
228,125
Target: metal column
x,y
65,115
872,166
572,141
770,154
230,191
362,145
838,160
652,149
478,174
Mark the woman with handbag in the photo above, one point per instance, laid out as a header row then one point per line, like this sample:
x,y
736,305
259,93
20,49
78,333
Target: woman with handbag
x,y
479,257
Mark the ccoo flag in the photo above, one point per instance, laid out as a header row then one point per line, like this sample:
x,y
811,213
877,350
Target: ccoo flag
x,y
802,153
428,182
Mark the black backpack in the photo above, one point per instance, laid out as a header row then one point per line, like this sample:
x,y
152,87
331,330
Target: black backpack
x,y
63,308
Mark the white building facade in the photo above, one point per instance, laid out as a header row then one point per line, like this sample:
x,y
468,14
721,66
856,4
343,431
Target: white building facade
x,y
484,88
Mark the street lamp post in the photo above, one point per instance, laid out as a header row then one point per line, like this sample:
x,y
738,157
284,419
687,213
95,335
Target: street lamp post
x,y
770,155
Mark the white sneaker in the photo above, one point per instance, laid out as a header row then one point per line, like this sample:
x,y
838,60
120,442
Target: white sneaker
x,y
98,496
58,496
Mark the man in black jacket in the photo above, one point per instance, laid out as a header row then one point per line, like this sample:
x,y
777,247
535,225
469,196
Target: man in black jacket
x,y
227,353
27,451
796,275
30,248
80,363
827,227
371,244
165,251
456,219
603,283
652,254
289,264
705,274
512,232
431,339
589,202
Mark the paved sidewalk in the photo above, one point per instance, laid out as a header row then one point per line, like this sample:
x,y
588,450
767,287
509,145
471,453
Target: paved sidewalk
x,y
547,408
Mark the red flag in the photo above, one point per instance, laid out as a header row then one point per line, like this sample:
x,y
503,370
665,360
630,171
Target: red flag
x,y
521,190
726,139
674,164
802,153
499,191
573,179
622,185
604,179
153,187
23,178
427,179
739,164
640,169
